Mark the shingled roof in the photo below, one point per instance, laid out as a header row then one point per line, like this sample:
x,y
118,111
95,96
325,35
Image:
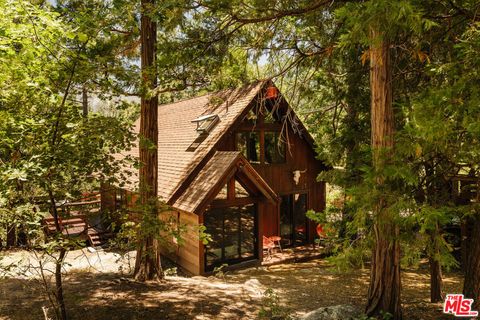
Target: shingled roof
x,y
214,175
176,156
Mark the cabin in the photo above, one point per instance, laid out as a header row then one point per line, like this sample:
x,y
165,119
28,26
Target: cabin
x,y
242,164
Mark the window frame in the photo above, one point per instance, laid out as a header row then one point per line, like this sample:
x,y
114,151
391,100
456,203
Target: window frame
x,y
261,128
208,267
260,142
275,146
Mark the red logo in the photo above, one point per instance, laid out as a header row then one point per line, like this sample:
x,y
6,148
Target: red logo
x,y
459,306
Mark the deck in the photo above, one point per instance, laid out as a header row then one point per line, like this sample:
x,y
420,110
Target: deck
x,y
81,220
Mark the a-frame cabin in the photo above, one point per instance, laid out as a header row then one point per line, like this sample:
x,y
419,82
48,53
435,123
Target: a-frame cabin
x,y
242,164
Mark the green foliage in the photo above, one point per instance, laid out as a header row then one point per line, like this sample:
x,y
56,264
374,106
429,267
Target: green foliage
x,y
392,17
48,150
172,272
271,308
220,272
204,237
351,256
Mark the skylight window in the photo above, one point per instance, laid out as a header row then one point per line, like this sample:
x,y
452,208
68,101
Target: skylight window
x,y
206,123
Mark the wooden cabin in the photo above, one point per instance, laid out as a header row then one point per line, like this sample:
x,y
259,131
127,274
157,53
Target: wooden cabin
x,y
242,164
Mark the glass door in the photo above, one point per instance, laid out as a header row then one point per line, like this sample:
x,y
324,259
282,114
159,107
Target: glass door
x,y
299,218
233,234
286,220
293,221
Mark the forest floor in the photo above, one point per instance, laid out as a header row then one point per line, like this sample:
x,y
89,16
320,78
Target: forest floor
x,y
94,291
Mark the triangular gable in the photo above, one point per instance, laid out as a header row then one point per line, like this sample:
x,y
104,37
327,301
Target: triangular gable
x,y
295,123
222,166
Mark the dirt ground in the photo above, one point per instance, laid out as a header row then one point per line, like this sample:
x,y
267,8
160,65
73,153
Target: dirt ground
x,y
302,287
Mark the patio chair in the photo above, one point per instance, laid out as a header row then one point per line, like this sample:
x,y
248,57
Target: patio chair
x,y
276,241
321,234
268,245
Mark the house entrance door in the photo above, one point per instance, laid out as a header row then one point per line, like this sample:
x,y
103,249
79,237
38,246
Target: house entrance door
x,y
293,221
233,233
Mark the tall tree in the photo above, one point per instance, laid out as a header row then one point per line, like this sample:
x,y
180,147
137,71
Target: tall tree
x,y
384,290
148,264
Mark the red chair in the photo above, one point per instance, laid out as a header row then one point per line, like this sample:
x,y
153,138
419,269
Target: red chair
x,y
320,232
276,241
322,235
268,245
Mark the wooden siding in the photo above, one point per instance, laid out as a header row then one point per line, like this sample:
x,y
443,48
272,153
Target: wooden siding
x,y
187,254
299,156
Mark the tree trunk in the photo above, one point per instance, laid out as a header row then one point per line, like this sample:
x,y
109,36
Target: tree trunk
x,y
59,284
11,235
436,293
434,198
84,101
471,285
60,309
384,289
436,281
148,264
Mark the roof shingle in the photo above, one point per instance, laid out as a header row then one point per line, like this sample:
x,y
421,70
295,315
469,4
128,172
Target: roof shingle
x,y
216,169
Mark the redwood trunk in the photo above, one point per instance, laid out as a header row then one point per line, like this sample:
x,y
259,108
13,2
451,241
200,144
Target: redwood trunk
x,y
384,290
471,285
148,265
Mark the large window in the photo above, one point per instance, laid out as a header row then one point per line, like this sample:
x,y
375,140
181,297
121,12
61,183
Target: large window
x,y
274,148
249,144
233,233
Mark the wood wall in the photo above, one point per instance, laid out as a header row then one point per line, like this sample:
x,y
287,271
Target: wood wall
x,y
300,156
187,253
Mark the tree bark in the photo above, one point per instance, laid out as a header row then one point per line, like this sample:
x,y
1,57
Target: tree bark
x,y
11,235
471,285
384,289
59,284
84,101
148,264
435,197
436,281
60,308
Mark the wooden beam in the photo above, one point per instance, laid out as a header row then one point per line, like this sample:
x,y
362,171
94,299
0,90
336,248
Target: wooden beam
x,y
265,126
222,203
231,188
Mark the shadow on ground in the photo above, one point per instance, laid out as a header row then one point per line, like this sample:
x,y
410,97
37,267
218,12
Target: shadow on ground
x,y
302,287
